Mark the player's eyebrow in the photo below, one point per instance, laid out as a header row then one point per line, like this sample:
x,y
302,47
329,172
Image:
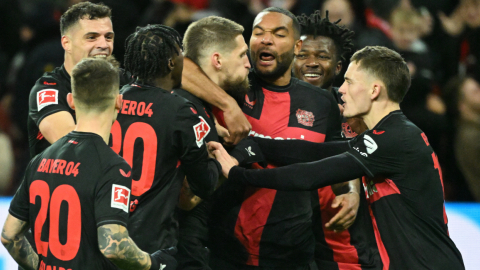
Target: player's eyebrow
x,y
97,34
274,30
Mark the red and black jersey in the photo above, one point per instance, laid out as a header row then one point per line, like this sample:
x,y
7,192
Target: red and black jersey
x,y
266,227
161,135
404,189
354,248
70,189
49,96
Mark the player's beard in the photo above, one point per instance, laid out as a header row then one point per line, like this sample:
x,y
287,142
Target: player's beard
x,y
237,88
284,62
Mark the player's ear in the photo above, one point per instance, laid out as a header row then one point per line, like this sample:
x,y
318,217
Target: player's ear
x,y
376,90
66,43
298,46
70,101
118,101
171,64
338,68
216,61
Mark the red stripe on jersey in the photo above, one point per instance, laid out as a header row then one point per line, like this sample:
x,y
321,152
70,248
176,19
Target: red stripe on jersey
x,y
377,188
258,202
381,247
252,218
344,253
39,136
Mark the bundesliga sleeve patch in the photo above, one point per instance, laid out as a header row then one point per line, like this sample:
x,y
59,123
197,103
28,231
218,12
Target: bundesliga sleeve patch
x,y
120,197
46,97
201,131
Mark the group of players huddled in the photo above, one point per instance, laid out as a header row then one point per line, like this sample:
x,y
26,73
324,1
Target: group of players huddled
x,y
357,185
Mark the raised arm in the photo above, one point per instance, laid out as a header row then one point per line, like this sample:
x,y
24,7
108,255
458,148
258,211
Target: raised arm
x,y
286,152
302,176
297,177
195,81
13,238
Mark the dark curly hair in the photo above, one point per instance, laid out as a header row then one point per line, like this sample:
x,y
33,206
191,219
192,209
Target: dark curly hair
x,y
314,25
83,10
148,50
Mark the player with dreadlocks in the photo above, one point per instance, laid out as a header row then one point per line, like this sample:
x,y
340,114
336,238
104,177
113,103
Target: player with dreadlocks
x,y
351,244
155,132
325,47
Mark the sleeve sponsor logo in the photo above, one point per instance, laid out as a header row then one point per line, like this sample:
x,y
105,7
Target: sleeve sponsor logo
x,y
370,144
122,172
120,197
201,131
46,97
305,118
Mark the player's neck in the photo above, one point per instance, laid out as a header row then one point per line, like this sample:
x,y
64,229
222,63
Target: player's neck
x,y
98,123
68,64
378,112
280,81
166,83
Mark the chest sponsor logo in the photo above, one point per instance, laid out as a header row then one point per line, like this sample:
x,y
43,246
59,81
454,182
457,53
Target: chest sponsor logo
x,y
120,197
46,97
370,144
255,134
378,187
305,118
201,131
249,103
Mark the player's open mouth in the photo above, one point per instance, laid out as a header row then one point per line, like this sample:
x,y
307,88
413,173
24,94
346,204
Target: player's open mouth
x,y
266,58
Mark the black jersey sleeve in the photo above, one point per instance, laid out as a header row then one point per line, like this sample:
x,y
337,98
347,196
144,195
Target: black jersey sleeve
x,y
202,172
286,152
47,97
377,153
20,205
303,176
112,196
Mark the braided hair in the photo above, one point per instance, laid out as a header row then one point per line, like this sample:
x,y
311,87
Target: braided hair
x,y
315,26
148,50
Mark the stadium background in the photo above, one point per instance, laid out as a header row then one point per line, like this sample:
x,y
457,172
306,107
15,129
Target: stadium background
x,y
440,39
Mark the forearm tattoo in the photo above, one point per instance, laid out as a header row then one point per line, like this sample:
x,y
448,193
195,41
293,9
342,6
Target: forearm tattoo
x,y
19,248
117,246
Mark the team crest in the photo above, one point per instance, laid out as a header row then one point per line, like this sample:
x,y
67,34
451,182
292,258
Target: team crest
x,y
120,197
46,97
201,131
305,118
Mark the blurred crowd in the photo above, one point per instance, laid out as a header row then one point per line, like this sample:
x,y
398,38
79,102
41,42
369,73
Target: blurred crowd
x,y
439,39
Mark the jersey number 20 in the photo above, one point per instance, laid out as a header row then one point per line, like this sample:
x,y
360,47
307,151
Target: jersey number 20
x,y
137,130
62,193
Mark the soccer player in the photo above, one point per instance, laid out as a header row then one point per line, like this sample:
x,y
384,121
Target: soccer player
x,y
216,44
319,61
156,132
403,183
75,194
277,106
87,31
